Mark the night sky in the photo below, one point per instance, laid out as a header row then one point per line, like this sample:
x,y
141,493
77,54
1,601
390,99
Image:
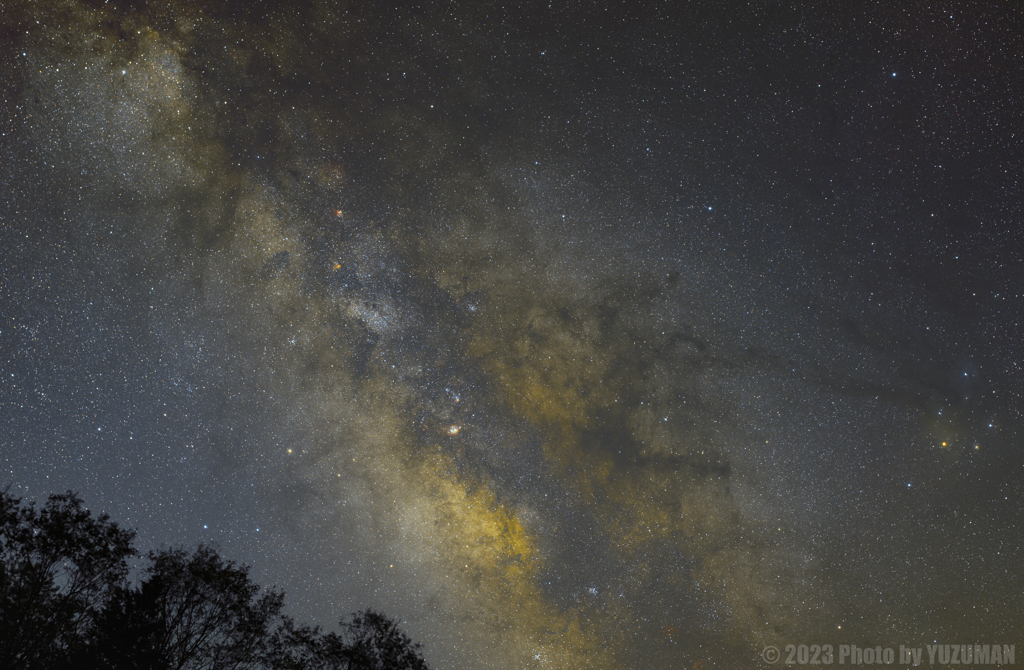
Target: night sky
x,y
571,335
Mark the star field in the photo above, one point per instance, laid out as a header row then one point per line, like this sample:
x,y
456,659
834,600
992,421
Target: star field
x,y
570,336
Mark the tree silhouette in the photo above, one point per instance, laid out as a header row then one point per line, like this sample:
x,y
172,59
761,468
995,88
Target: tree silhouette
x,y
190,612
58,569
372,641
66,602
369,641
293,647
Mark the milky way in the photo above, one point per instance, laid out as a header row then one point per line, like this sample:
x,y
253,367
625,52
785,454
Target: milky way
x,y
571,338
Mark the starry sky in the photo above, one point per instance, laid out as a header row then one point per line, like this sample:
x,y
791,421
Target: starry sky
x,y
570,334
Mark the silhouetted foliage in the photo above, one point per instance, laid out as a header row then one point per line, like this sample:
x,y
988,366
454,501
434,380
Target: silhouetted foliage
x,y
294,647
369,641
191,611
59,567
66,602
372,641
